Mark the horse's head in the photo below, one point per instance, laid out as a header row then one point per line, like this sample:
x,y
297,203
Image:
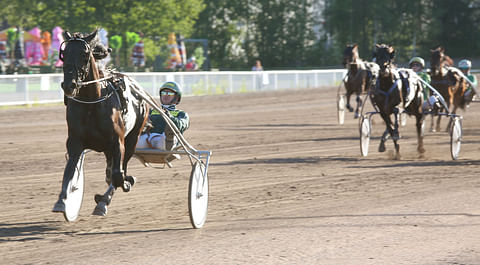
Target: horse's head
x,y
436,60
350,54
77,57
384,55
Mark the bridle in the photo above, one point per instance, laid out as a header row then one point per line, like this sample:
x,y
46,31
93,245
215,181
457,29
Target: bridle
x,y
81,72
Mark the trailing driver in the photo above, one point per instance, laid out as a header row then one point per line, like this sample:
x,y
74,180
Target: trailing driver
x,y
158,134
465,66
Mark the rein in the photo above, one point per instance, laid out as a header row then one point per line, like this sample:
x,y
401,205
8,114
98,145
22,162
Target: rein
x,y
98,100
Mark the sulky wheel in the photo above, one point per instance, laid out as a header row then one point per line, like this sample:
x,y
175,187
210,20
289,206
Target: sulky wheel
x,y
365,130
73,201
456,137
198,195
341,109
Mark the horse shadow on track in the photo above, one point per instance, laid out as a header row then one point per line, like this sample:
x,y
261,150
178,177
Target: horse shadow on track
x,y
286,160
416,163
27,231
30,231
350,220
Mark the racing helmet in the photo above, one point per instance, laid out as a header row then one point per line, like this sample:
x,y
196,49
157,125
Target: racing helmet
x,y
418,60
175,87
465,64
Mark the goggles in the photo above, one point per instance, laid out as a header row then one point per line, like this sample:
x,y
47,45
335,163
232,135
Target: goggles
x,y
167,93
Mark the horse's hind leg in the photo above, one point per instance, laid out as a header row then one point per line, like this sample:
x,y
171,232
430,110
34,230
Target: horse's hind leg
x,y
449,126
103,201
74,151
437,128
130,144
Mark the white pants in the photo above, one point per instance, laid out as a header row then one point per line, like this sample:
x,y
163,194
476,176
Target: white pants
x,y
156,140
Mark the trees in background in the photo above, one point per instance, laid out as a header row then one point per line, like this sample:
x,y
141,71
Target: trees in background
x,y
155,19
281,33
413,27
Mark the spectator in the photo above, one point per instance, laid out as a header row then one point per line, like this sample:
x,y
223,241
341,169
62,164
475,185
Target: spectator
x,y
191,65
257,66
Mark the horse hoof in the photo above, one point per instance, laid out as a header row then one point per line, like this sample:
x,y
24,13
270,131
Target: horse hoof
x,y
356,115
432,130
131,179
59,206
381,148
98,198
100,209
127,186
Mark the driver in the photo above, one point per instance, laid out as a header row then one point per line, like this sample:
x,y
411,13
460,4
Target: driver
x,y
159,135
417,64
465,66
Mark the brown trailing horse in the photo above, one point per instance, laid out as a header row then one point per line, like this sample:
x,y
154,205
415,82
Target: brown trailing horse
x,y
97,118
447,81
359,76
395,91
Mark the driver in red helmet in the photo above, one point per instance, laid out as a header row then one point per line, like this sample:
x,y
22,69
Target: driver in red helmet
x,y
160,135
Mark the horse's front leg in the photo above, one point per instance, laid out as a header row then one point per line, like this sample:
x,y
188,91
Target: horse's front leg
x,y
349,107
420,117
359,105
395,133
74,149
386,133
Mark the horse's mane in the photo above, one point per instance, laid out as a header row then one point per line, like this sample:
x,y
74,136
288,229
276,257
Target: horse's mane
x,y
99,50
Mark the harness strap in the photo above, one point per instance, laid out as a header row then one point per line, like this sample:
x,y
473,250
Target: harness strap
x,y
386,94
95,101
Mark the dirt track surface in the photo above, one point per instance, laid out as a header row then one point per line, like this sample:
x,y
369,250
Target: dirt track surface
x,y
287,186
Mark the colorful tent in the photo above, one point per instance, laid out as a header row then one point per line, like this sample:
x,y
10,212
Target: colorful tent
x,y
46,43
175,60
33,47
57,39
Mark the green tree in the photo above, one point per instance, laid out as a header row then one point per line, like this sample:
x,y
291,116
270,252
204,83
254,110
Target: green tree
x,y
155,19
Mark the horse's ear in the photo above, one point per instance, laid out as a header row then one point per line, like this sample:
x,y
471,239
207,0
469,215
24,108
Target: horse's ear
x,y
67,36
377,45
355,46
90,37
391,51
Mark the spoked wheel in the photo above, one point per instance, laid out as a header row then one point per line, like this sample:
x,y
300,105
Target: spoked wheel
x,y
365,129
198,195
74,199
456,137
341,109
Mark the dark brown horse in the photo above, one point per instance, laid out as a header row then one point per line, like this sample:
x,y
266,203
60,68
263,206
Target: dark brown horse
x,y
396,90
96,117
359,76
447,81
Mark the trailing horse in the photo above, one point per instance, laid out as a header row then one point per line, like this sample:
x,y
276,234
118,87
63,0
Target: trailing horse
x,y
359,76
448,82
396,91
101,116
